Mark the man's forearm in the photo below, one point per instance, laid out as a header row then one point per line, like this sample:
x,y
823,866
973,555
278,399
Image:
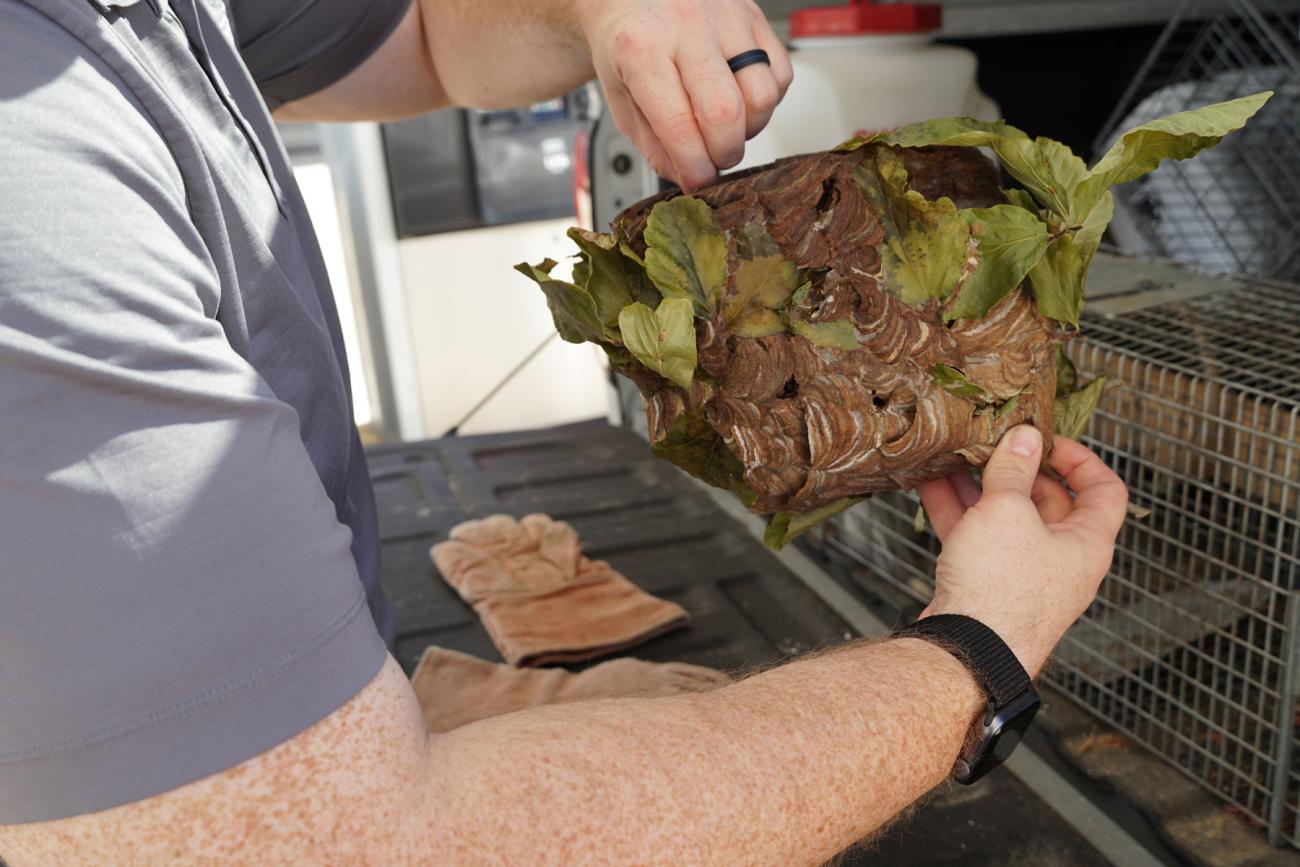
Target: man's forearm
x,y
506,53
787,767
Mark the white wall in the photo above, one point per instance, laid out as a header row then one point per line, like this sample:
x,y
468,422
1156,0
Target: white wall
x,y
473,318
316,182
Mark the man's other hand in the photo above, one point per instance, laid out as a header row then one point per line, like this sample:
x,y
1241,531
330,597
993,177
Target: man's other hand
x,y
1022,554
663,66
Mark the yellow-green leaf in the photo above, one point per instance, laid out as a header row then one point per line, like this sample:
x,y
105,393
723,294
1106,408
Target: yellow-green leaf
x,y
761,284
572,308
839,334
1056,280
663,340
1022,199
1060,277
1066,169
1176,137
953,381
758,323
1074,410
856,142
1010,241
1040,166
687,255
925,242
785,527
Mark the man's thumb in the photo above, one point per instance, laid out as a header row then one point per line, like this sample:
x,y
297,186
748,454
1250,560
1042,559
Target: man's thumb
x,y
1015,462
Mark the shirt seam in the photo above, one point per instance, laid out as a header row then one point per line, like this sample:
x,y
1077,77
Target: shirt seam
x,y
212,696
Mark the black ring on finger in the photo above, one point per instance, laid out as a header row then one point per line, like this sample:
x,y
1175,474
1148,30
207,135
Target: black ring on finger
x,y
748,58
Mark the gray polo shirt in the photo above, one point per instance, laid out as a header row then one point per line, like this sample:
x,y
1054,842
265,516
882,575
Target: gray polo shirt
x,y
188,547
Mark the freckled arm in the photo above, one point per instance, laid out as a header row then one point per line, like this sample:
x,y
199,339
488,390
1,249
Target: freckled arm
x,y
789,766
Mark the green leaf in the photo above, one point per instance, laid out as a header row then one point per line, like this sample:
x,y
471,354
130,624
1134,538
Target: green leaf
x,y
955,131
611,279
1067,376
1056,280
1011,241
687,255
1073,411
759,323
664,339
1065,168
1060,278
785,527
572,308
1079,201
1176,137
839,334
1022,199
582,271
626,249
695,447
1041,166
762,286
857,141
647,381
1007,406
925,242
953,381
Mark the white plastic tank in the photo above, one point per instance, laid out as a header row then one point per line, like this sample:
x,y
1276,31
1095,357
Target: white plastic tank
x,y
862,67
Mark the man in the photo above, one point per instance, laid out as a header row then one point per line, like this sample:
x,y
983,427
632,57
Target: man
x,y
192,638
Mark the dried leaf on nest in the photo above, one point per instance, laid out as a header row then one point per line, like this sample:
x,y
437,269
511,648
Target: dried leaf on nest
x,y
663,339
763,287
687,256
1009,241
572,307
1073,411
695,447
925,242
785,527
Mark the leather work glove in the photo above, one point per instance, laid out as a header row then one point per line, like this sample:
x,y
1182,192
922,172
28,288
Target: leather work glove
x,y
540,599
456,689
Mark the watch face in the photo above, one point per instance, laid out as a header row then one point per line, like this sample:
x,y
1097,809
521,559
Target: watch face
x,y
1009,738
1004,729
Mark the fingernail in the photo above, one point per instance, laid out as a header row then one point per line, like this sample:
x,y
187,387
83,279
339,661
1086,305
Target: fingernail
x,y
1026,441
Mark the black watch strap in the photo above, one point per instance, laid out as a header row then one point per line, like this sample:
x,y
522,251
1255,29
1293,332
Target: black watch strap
x,y
994,665
1012,701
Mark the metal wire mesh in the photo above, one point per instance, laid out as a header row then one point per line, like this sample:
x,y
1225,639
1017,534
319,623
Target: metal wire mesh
x,y
1236,208
1191,646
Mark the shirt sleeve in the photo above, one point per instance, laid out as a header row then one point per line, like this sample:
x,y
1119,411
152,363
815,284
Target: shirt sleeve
x,y
294,48
177,594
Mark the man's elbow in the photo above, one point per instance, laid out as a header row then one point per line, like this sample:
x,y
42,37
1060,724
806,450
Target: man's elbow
x,y
358,787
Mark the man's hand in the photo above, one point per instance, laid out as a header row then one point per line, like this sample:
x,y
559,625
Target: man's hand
x,y
663,66
1022,555
662,63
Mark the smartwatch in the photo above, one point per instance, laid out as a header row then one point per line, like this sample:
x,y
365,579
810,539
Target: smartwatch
x,y
1012,701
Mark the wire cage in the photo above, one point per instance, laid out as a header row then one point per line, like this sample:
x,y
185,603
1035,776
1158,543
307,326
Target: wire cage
x,y
1191,647
1236,208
